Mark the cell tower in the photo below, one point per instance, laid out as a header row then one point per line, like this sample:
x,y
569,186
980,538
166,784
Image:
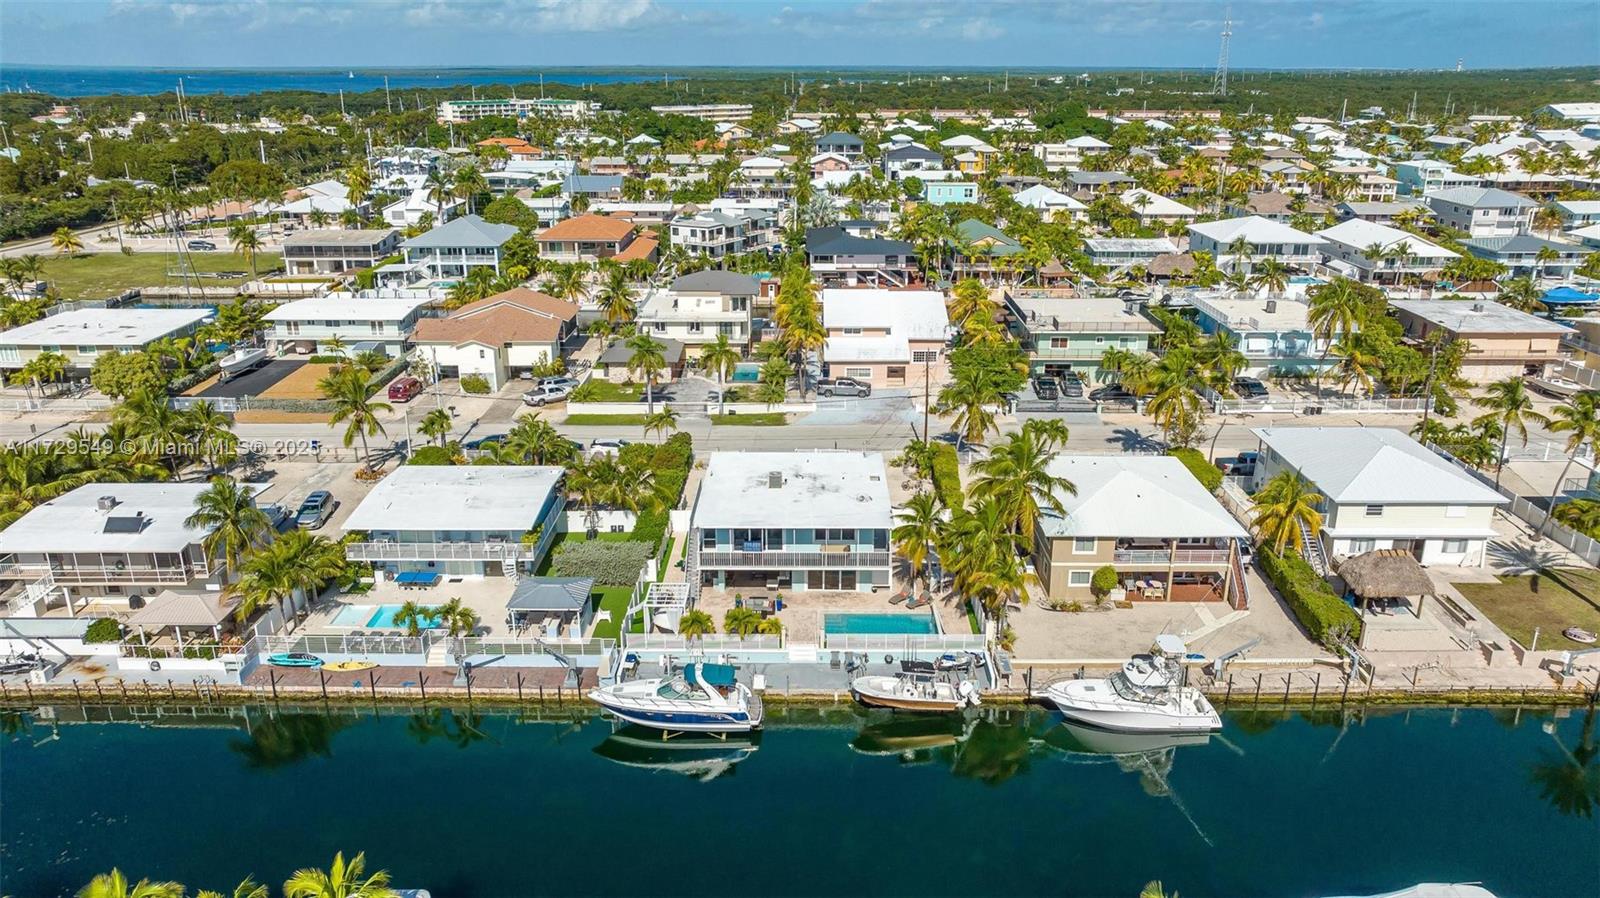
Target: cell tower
x,y
1219,83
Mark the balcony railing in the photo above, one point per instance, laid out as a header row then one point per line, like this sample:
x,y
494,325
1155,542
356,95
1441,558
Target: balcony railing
x,y
86,574
1162,556
395,551
793,559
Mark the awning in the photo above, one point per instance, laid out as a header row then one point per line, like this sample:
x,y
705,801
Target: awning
x,y
720,675
183,609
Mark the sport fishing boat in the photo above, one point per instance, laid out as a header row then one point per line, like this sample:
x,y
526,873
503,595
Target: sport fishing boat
x,y
702,698
241,361
1148,695
917,687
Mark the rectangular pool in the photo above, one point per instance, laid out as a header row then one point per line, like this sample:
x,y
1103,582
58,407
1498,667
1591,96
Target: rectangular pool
x,y
880,624
379,617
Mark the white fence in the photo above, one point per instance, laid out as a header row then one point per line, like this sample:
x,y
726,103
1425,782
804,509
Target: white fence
x,y
902,643
55,405
657,642
1299,406
1577,543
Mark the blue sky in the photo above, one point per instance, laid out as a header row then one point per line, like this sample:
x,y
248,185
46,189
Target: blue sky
x,y
1067,33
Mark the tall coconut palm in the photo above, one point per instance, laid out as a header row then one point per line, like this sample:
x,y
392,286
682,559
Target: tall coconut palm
x,y
969,299
721,358
568,282
1579,419
918,531
211,433
1335,311
1357,363
1280,508
1511,405
436,424
247,243
440,191
469,185
647,359
1272,277
615,298
234,525
456,617
1017,477
661,423
116,885
340,881
249,888
969,399
46,367
347,389
981,551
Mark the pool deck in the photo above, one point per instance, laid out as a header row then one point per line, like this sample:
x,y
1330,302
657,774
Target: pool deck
x,y
485,595
803,611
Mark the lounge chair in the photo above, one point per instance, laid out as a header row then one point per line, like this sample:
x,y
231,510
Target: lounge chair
x,y
914,602
899,597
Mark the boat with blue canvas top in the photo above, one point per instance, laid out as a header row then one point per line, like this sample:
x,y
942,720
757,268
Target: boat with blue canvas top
x,y
702,698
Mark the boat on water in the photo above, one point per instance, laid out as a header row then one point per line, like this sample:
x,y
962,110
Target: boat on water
x,y
1148,695
918,686
702,698
701,758
241,361
1434,890
911,737
294,659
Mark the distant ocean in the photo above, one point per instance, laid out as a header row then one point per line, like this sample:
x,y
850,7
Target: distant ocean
x,y
85,82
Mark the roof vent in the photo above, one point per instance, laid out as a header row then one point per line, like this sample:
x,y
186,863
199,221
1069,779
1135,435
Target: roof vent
x,y
775,480
1130,307
106,503
1272,306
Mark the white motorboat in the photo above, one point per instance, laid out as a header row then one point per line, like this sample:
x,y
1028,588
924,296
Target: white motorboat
x,y
1437,890
241,361
917,687
702,698
1148,695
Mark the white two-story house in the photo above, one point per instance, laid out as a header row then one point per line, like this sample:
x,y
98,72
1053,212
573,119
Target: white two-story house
x,y
452,249
306,325
1273,333
1260,238
718,234
1483,211
700,306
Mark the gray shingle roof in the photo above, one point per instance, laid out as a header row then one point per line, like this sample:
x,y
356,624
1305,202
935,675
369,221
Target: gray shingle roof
x,y
728,283
468,230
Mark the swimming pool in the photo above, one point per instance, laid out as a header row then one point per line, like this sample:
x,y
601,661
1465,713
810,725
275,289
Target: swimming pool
x,y
746,373
380,617
879,624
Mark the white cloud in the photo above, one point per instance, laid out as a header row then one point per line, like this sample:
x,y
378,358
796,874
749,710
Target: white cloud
x,y
981,30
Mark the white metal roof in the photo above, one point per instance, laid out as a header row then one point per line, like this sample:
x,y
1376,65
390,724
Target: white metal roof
x,y
815,488
911,314
1378,465
1477,317
1043,196
1148,496
891,348
109,327
469,497
1154,203
1359,234
346,308
1254,229
75,523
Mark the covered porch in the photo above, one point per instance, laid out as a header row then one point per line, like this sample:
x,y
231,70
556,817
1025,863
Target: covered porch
x,y
183,618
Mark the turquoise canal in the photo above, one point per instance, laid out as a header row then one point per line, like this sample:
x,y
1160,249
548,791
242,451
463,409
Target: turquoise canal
x,y
825,802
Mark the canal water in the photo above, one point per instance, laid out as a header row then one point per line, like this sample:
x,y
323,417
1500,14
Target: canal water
x,y
837,802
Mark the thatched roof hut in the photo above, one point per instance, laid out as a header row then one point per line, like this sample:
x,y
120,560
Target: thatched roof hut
x,y
1386,573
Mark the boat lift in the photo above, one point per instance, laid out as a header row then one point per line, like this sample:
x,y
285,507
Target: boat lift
x,y
1220,663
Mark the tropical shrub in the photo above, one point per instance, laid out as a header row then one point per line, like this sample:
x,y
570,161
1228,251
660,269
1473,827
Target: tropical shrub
x,y
947,475
432,455
670,461
1325,616
475,384
609,563
104,629
1209,475
1103,582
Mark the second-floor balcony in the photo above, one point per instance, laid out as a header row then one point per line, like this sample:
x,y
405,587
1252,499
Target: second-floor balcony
x,y
1163,557
411,551
795,560
115,574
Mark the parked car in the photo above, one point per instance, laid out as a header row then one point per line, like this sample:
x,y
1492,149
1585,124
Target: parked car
x,y
201,246
314,511
1249,388
404,389
843,386
1242,465
1072,388
278,517
484,442
606,447
1045,388
542,395
1112,393
571,383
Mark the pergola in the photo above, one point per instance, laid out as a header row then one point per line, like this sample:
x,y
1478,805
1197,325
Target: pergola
x,y
183,610
1386,573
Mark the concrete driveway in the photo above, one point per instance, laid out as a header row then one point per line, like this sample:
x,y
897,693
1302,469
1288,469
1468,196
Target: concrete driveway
x,y
886,406
254,383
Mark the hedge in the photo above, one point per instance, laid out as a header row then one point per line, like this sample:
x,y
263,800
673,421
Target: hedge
x,y
1313,602
947,475
104,629
670,461
610,563
1209,475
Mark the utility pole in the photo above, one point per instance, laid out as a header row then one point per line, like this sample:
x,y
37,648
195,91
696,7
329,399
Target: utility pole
x,y
926,388
386,105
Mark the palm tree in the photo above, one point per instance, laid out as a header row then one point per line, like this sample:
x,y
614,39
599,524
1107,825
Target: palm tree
x,y
413,614
1281,507
1272,277
339,881
1357,363
346,388
1522,294
65,241
1016,476
981,551
969,299
661,423
46,367
436,424
615,298
469,184
533,441
1153,889
116,885
1511,405
211,432
336,346
1335,311
357,180
457,617
721,358
234,525
1580,419
695,624
249,888
1582,515
741,621
568,282
969,398
918,532
440,191
647,360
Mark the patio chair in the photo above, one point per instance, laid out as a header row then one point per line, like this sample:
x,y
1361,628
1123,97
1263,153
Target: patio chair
x,y
899,597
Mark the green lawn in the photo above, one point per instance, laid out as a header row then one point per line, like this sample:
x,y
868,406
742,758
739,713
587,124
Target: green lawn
x,y
752,419
665,559
596,420
104,275
597,390
615,600
1552,601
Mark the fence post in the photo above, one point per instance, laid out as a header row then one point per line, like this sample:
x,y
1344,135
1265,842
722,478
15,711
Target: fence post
x,y
272,675
519,687
1258,689
372,685
1228,699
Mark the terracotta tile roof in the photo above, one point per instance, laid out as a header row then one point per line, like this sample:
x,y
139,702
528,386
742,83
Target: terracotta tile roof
x,y
642,247
518,315
503,141
589,227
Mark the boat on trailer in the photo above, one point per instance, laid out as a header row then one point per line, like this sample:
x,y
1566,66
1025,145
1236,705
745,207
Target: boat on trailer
x,y
241,361
919,686
702,698
1148,695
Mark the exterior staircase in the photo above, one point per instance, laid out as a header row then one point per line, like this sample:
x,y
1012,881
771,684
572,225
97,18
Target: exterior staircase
x,y
1312,547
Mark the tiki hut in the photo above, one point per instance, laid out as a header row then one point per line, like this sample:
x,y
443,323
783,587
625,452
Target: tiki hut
x,y
1386,573
1054,274
1168,264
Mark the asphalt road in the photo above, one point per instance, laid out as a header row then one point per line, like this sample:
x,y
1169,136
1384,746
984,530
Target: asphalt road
x,y
255,382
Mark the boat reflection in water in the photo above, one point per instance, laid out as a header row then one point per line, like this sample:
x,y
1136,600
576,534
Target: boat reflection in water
x,y
915,740
703,758
1149,755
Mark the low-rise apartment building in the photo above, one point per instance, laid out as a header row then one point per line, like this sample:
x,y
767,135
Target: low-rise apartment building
x,y
1063,335
1501,341
83,335
1483,211
888,338
718,234
700,306
1273,333
306,325
837,258
334,252
1382,254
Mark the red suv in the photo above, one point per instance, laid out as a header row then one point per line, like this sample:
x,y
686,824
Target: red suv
x,y
404,389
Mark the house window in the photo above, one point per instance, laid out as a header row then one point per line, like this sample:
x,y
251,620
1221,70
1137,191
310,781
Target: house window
x,y
1083,545
859,373
774,539
880,540
1455,511
708,539
1374,511
88,350
1361,546
1079,578
694,327
925,356
1454,547
850,331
